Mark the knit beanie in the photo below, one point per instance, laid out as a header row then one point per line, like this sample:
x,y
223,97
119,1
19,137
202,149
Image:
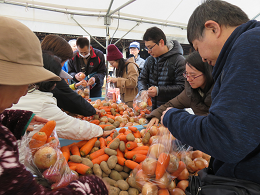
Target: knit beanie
x,y
113,53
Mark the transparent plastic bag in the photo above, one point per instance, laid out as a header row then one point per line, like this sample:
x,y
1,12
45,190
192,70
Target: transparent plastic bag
x,y
46,162
84,91
112,93
142,103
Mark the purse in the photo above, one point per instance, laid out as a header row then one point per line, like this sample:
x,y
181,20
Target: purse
x,y
208,184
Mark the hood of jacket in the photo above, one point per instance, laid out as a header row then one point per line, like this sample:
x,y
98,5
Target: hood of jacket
x,y
174,48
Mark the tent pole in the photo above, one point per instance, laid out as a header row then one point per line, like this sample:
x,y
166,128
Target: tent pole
x,y
126,33
122,6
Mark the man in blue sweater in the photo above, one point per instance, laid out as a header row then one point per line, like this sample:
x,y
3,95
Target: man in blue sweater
x,y
229,41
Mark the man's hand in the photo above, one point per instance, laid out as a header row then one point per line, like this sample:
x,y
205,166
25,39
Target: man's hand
x,y
107,133
80,76
91,81
164,114
153,121
36,121
152,91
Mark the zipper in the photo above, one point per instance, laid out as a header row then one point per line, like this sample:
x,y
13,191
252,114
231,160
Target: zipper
x,y
199,189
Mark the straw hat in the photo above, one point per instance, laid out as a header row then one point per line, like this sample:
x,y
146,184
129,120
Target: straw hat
x,y
21,55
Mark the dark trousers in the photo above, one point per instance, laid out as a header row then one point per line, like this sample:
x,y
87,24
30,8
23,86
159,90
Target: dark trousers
x,y
95,92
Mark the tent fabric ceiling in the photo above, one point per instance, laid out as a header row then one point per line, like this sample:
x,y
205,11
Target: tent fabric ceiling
x,y
90,15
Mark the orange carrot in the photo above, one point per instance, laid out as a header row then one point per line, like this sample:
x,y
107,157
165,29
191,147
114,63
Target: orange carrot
x,y
131,145
38,140
103,126
108,140
149,101
127,132
163,192
102,142
130,154
70,163
95,122
141,148
99,159
122,130
121,160
66,152
162,164
139,158
181,167
48,128
53,142
121,112
122,137
137,134
97,154
84,150
119,153
75,150
81,143
73,168
131,164
133,129
111,116
83,169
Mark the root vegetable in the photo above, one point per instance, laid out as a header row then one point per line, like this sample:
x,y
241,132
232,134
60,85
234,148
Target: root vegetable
x,y
133,191
104,167
45,157
94,149
126,169
97,144
201,163
108,128
177,191
172,185
131,164
162,164
99,159
105,175
75,158
122,146
111,162
183,175
149,166
156,149
141,178
111,182
163,192
114,190
164,181
124,174
110,152
183,184
123,193
130,137
97,170
123,185
146,138
83,169
149,189
118,168
173,164
115,135
115,175
114,145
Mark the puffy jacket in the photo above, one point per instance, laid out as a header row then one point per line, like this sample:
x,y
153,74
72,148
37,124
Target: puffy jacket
x,y
165,72
186,99
96,64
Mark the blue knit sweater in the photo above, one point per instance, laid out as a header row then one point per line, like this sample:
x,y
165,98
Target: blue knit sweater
x,y
231,131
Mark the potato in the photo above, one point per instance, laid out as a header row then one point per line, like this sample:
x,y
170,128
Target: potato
x,y
115,144
118,168
123,185
132,183
126,169
95,116
115,175
109,181
130,137
104,167
115,135
94,149
104,119
110,152
114,190
124,174
97,170
116,124
108,128
123,193
75,158
97,144
87,162
122,146
133,191
111,120
104,175
111,162
146,138
102,123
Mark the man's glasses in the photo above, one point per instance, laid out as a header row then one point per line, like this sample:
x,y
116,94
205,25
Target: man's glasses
x,y
150,49
191,77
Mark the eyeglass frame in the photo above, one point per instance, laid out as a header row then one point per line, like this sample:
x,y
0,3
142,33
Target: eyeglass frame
x,y
191,77
150,49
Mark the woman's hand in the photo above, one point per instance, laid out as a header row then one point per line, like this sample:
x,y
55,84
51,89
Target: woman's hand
x,y
107,133
113,80
164,114
36,121
153,121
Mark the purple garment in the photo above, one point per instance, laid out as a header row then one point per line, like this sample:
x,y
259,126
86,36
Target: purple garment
x,y
15,179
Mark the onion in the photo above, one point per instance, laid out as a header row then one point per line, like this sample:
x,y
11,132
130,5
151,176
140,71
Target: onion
x,y
183,184
141,178
155,150
149,166
119,119
164,181
177,191
201,163
173,165
172,185
196,154
183,175
154,130
149,189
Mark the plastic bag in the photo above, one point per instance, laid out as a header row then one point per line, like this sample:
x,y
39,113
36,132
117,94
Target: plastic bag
x,y
168,163
45,161
84,91
142,103
112,93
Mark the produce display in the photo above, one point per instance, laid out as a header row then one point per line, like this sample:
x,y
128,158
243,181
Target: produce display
x,y
44,158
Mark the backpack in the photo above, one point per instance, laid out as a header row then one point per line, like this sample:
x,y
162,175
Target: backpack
x,y
126,68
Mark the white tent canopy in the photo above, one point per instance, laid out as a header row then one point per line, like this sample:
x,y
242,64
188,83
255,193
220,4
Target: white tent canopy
x,y
70,17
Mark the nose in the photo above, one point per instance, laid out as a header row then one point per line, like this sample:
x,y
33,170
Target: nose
x,y
204,59
149,51
189,79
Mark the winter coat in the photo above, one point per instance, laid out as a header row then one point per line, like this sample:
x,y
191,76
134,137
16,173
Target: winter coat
x,y
128,82
70,101
165,72
140,61
186,99
96,64
14,177
43,104
230,133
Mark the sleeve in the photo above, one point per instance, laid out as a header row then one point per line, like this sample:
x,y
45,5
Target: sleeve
x,y
71,69
178,86
69,127
180,102
16,121
143,78
70,101
102,70
231,129
132,77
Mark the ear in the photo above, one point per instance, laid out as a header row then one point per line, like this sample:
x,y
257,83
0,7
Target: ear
x,y
214,27
161,42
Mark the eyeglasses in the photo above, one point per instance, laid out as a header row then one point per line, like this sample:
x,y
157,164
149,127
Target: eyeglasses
x,y
150,49
31,88
191,77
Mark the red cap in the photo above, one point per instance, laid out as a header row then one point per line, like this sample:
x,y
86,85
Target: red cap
x,y
113,53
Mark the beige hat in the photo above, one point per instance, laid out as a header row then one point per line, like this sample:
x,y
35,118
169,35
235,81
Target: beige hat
x,y
21,55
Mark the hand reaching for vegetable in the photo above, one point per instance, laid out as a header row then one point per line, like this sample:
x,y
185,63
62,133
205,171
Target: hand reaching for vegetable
x,y
91,81
164,114
36,121
153,121
152,91
80,76
107,133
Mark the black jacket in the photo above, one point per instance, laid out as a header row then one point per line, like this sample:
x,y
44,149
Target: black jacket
x,y
96,63
165,72
70,101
